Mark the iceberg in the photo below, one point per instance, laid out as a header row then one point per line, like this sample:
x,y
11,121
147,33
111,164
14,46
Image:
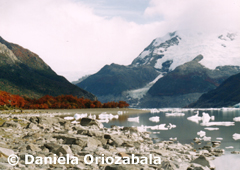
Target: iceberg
x,y
104,115
134,119
236,136
211,129
201,133
195,118
236,119
218,124
80,116
154,119
175,114
68,118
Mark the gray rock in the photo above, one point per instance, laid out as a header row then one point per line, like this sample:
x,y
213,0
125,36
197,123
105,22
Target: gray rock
x,y
6,152
115,138
32,126
52,146
64,149
11,124
33,147
122,167
90,122
202,160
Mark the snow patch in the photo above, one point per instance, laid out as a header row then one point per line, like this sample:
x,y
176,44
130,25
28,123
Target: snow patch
x,y
194,44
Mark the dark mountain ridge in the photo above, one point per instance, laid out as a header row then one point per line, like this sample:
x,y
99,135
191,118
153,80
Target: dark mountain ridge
x,y
25,73
227,94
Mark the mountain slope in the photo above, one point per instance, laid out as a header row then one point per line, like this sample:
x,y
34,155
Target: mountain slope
x,y
178,77
25,73
227,94
188,82
114,79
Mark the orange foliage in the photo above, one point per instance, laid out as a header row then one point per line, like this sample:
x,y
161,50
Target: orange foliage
x,y
59,102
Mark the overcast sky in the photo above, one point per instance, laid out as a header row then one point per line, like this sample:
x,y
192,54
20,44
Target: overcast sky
x,y
78,37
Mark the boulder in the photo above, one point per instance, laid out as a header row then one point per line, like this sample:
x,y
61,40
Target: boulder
x,y
89,122
32,126
6,152
64,149
33,147
202,160
11,124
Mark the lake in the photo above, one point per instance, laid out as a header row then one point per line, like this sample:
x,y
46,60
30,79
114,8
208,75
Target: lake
x,y
186,130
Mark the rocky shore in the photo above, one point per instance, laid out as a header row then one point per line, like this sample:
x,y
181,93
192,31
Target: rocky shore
x,y
54,137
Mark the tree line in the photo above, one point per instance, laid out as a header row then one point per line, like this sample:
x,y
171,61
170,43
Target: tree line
x,y
59,102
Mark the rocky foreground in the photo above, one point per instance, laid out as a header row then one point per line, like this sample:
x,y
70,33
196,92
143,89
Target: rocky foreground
x,y
55,137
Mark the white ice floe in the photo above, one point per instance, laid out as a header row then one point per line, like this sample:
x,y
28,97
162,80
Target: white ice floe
x,y
236,119
195,118
80,116
154,110
205,118
154,119
156,127
120,112
156,132
218,124
229,147
68,118
219,138
104,120
236,136
75,122
205,138
110,116
201,133
211,129
133,119
92,116
171,126
173,139
175,114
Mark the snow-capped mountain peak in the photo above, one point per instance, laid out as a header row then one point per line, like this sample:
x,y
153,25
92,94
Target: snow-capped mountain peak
x,y
177,48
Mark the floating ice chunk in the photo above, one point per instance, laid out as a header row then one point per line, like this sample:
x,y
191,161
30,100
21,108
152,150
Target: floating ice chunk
x,y
80,116
205,138
159,127
68,118
219,138
211,129
120,112
154,119
218,124
154,110
104,116
75,122
195,118
201,133
104,120
156,132
205,117
170,126
229,147
236,136
142,128
134,119
173,139
175,114
92,116
236,119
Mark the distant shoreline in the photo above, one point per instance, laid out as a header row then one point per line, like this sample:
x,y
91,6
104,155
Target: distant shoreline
x,y
60,112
